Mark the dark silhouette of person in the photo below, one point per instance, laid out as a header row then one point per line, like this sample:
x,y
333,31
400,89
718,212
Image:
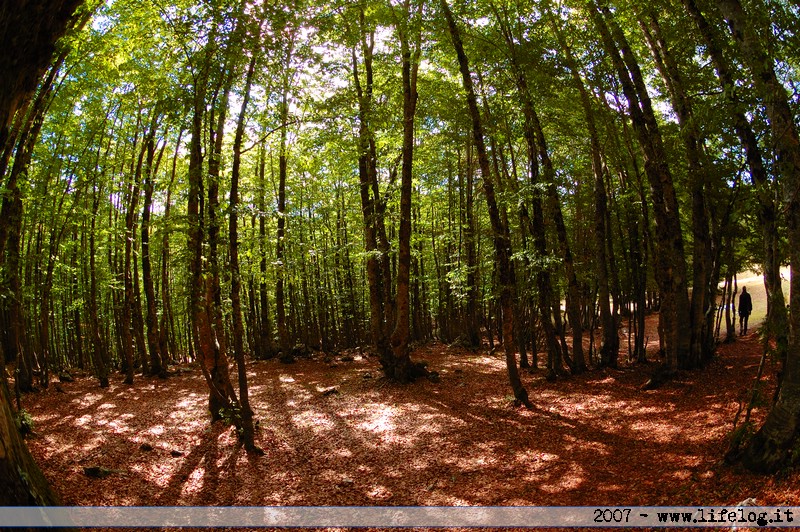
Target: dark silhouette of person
x,y
745,308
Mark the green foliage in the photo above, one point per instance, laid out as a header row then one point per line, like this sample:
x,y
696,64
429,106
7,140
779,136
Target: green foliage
x,y
232,415
137,66
24,422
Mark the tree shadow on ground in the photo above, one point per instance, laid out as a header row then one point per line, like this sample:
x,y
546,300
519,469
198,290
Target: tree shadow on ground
x,y
340,435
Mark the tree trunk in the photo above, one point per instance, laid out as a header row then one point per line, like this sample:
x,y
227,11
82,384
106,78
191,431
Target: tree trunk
x,y
27,39
772,446
610,347
280,244
670,262
369,204
22,480
166,328
536,132
777,319
11,213
157,359
472,324
248,431
128,298
398,365
702,291
265,331
501,237
99,349
206,346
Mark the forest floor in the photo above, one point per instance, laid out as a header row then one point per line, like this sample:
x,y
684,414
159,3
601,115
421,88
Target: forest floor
x,y
336,433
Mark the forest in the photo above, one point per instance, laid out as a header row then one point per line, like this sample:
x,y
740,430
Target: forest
x,y
234,210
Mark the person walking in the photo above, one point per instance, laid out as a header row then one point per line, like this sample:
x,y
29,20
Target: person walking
x,y
745,308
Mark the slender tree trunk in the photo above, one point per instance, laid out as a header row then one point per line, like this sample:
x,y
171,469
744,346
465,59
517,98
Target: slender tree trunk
x,y
771,447
206,346
265,332
166,329
670,262
248,431
157,359
280,244
99,350
471,256
777,319
137,313
501,237
702,292
398,366
369,207
610,346
128,298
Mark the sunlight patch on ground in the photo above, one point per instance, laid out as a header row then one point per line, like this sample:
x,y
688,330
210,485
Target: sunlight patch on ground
x,y
336,478
189,402
343,452
158,474
655,431
88,400
380,420
531,455
194,484
84,420
92,444
683,474
477,463
316,421
608,380
119,427
43,418
480,456
294,391
570,480
380,493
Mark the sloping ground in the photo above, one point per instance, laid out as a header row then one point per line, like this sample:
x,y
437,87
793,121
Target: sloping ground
x,y
594,439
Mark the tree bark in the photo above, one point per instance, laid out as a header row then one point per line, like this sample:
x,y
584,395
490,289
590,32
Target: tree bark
x,y
126,308
771,448
536,133
398,365
27,40
703,290
609,349
265,331
248,430
206,346
369,203
157,359
280,245
670,263
500,236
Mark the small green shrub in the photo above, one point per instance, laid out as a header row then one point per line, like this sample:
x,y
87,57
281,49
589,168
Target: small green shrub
x,y
24,422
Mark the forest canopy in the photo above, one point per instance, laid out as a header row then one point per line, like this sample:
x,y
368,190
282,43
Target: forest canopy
x,y
210,181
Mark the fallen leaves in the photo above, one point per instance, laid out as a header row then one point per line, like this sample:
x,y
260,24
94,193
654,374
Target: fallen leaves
x,y
345,436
